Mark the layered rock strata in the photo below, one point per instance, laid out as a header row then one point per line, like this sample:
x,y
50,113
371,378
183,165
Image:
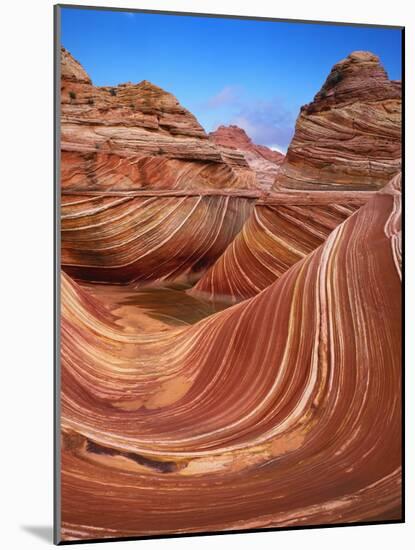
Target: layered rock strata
x,y
264,161
134,136
125,238
282,410
347,144
281,230
349,136
145,194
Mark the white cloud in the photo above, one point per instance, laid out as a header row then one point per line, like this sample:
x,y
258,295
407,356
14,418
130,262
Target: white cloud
x,y
267,122
228,95
278,148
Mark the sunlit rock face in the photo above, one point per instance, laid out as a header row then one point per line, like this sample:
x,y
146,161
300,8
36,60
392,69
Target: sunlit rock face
x,y
346,145
350,135
146,195
135,136
127,119
234,143
282,410
281,230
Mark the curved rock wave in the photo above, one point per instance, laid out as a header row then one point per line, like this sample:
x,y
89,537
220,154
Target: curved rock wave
x,y
106,171
281,410
347,144
282,229
124,238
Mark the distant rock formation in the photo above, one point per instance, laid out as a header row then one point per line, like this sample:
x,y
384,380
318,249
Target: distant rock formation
x,y
349,137
234,137
262,160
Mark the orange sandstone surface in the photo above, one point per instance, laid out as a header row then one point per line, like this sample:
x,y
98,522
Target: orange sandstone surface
x,y
277,411
349,136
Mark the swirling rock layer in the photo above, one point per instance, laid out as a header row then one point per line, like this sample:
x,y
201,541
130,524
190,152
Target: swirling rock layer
x,y
125,237
282,229
350,135
134,136
281,410
146,195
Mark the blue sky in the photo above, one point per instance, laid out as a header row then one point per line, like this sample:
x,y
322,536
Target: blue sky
x,y
256,74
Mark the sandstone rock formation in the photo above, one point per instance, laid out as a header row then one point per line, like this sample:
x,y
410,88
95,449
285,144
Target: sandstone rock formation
x,y
347,144
282,410
133,136
282,229
350,135
125,238
261,159
146,195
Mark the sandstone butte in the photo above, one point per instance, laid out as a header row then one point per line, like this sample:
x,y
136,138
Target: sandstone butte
x,y
145,193
349,136
289,416
262,160
136,136
347,144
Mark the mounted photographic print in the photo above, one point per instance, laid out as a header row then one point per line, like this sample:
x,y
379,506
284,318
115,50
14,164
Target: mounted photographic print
x,y
228,287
